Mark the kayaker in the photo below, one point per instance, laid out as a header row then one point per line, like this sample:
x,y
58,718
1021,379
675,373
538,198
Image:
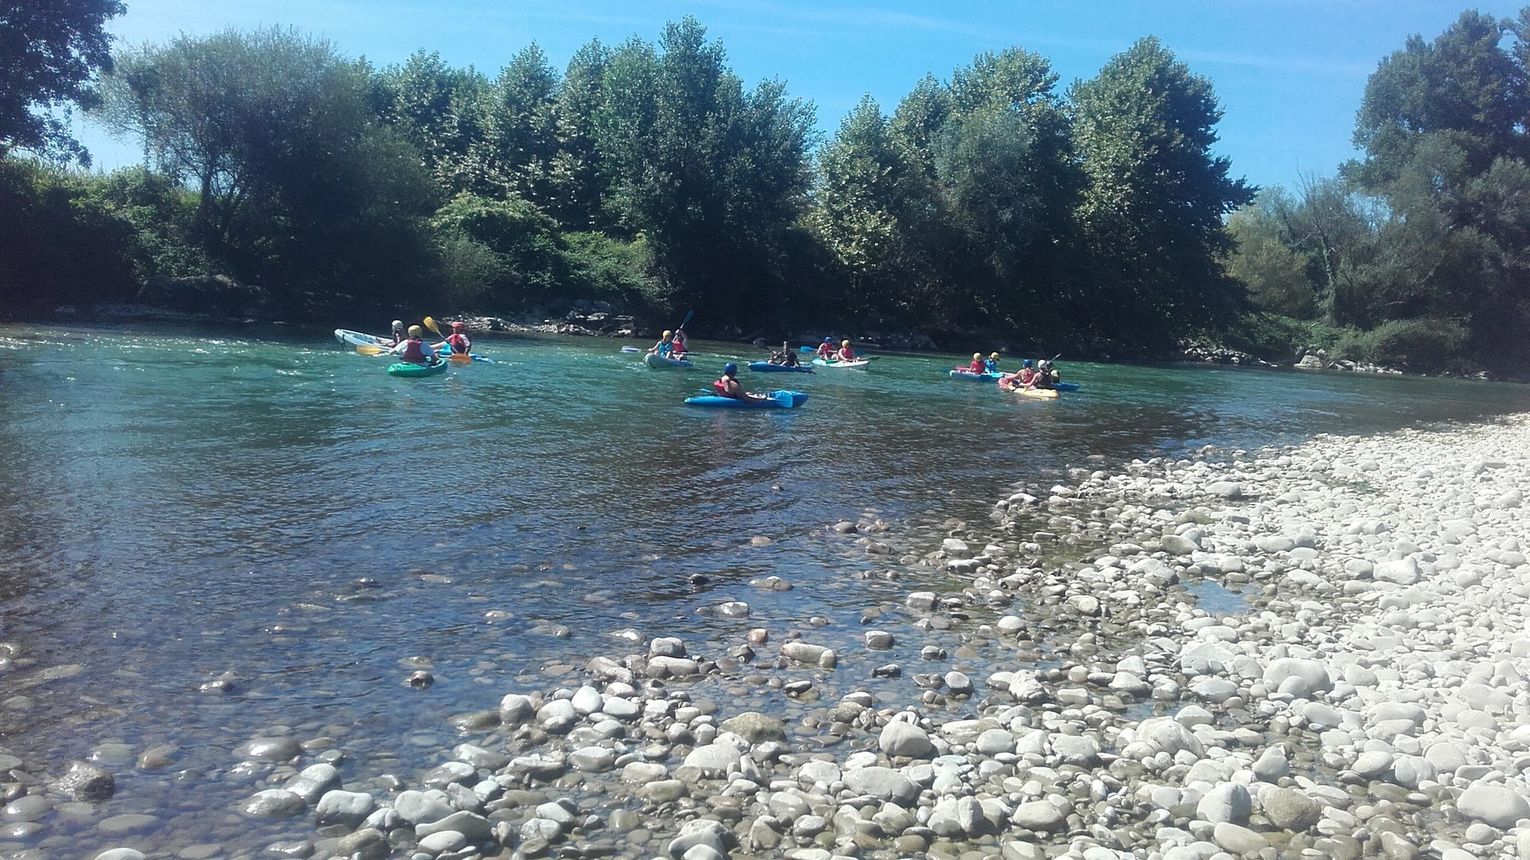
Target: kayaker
x,y
458,341
992,364
785,356
398,333
728,385
826,349
414,349
1042,378
1047,377
977,365
845,352
677,347
665,345
1019,380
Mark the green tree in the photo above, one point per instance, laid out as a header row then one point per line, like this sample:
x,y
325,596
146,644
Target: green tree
x,y
1263,260
439,111
298,189
49,52
1463,86
863,189
1005,173
1152,208
576,176
520,140
711,176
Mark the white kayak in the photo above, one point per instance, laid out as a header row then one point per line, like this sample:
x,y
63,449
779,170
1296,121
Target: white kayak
x,y
659,362
859,362
357,338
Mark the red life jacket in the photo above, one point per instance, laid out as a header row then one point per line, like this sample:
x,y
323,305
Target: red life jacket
x,y
721,389
976,366
459,343
412,352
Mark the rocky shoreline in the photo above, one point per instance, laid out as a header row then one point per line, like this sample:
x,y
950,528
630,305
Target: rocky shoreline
x,y
1360,692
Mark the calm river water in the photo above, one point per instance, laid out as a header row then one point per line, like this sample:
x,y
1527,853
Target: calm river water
x,y
181,506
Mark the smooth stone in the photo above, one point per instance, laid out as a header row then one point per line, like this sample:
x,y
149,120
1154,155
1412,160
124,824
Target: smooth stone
x,y
84,781
1493,803
1228,802
1238,840
883,783
907,740
339,806
274,803
755,727
1040,815
1290,810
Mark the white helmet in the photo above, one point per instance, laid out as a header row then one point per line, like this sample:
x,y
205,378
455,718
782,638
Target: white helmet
x,y
398,325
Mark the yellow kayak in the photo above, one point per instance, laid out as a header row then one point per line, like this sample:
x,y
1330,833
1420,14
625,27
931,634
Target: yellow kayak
x,y
1038,393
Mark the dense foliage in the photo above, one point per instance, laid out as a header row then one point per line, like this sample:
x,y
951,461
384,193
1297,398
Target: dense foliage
x,y
49,51
989,203
1419,254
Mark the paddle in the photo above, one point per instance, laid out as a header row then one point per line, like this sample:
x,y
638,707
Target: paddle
x,y
455,357
368,349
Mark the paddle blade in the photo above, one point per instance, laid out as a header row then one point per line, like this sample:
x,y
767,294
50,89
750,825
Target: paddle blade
x,y
431,324
459,358
364,349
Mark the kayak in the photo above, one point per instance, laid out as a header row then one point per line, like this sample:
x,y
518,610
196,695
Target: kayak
x,y
767,367
961,373
404,368
773,400
659,362
632,349
1038,393
1067,386
358,338
859,362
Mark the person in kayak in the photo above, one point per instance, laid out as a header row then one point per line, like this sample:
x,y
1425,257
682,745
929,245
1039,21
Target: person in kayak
x,y
826,349
1046,376
977,365
678,348
785,356
728,385
845,352
457,342
992,364
414,349
665,345
398,333
1017,381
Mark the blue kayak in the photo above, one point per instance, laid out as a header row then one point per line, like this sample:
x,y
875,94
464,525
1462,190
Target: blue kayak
x,y
767,367
773,400
1066,386
962,373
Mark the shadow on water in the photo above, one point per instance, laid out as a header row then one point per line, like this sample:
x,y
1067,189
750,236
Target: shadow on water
x,y
288,512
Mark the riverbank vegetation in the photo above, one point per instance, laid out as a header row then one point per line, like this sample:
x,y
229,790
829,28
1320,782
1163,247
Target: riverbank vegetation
x,y
283,177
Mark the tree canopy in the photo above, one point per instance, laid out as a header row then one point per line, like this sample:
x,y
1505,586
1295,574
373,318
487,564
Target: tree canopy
x,y
49,53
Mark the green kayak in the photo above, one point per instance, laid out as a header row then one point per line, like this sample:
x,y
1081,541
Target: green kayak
x,y
404,368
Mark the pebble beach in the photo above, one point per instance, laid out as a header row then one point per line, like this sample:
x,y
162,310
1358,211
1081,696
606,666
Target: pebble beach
x,y
1317,652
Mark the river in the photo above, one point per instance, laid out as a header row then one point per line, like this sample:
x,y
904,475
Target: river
x,y
182,506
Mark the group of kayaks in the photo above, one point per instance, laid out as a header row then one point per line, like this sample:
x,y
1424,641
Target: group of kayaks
x,y
372,344
784,399
1032,393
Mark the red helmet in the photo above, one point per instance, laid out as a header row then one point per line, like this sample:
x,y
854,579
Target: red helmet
x,y
457,326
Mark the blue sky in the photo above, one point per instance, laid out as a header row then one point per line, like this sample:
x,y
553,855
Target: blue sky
x,y
1289,73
